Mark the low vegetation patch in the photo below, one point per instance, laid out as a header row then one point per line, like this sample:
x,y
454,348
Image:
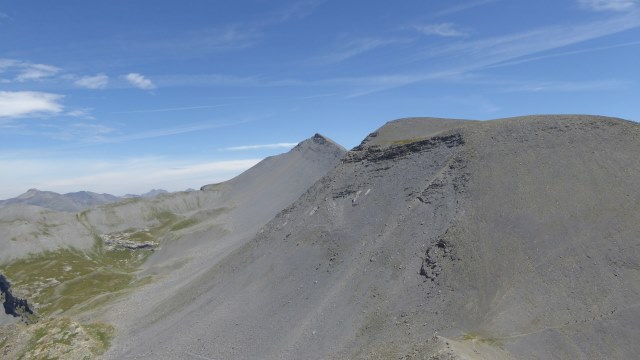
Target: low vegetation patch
x,y
473,337
407,141
56,281
183,224
64,338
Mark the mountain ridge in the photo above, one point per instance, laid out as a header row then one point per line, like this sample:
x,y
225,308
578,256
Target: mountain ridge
x,y
72,201
432,234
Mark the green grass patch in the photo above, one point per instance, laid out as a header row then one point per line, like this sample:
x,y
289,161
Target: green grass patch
x,y
482,339
183,224
63,338
56,281
103,333
407,141
140,236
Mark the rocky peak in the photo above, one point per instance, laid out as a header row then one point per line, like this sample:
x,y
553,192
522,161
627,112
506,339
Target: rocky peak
x,y
30,193
319,142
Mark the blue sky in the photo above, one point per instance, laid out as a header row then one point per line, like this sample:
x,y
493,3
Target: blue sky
x,y
123,96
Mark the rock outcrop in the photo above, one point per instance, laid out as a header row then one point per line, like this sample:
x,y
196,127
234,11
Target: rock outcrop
x,y
15,306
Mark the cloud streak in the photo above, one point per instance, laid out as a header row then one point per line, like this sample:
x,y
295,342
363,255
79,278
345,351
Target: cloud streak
x,y
139,81
169,109
571,86
481,53
443,29
15,104
608,5
357,47
297,11
464,7
567,53
463,58
164,132
24,71
99,81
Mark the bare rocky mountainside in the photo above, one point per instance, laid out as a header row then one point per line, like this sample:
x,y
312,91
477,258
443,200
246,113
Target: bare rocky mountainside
x,y
433,239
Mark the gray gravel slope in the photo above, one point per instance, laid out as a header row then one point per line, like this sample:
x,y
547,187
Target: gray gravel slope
x,y
249,201
515,237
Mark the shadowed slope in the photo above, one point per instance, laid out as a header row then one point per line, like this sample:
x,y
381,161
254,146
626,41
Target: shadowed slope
x,y
81,265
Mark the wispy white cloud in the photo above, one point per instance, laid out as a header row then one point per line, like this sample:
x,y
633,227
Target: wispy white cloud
x,y
80,113
26,71
235,36
464,7
98,81
164,132
608,5
261,147
168,109
206,41
221,39
297,11
443,29
36,72
220,80
571,86
355,47
15,104
82,131
372,84
484,52
566,53
462,58
8,63
140,81
3,16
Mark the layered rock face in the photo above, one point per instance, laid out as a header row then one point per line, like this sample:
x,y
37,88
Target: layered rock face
x,y
13,306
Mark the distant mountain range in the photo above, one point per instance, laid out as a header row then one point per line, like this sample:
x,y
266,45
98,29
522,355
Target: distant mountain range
x,y
147,195
72,202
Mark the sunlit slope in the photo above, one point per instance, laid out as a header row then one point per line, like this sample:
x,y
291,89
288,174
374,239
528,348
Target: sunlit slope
x,y
26,229
499,239
76,270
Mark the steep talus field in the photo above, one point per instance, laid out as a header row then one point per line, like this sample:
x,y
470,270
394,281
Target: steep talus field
x,y
513,238
550,238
